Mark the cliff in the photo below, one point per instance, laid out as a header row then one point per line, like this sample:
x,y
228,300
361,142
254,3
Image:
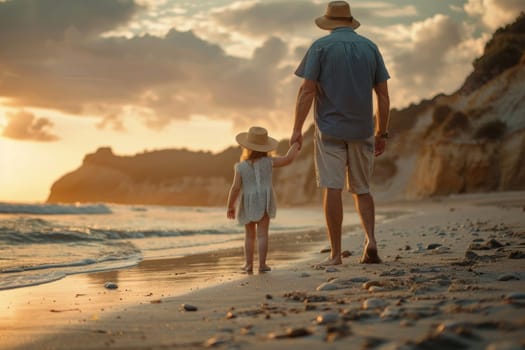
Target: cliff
x,y
470,141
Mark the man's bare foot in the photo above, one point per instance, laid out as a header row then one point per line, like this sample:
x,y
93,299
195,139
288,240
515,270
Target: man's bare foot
x,y
330,262
247,268
370,256
265,268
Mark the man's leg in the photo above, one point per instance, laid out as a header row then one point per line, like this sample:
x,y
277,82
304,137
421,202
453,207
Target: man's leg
x,y
333,210
364,204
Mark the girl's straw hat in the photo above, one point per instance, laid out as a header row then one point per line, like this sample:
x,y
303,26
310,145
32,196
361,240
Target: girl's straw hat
x,y
257,139
338,14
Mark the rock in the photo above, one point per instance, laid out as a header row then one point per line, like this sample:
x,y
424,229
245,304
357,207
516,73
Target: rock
x,y
325,250
441,250
268,296
110,285
516,298
359,279
393,272
492,244
216,341
516,254
188,307
304,274
374,303
230,315
290,333
508,277
432,246
327,286
331,269
470,255
372,283
391,313
329,317
477,246
336,331
375,289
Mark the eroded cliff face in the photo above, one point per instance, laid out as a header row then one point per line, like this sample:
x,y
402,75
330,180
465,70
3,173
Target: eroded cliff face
x,y
479,145
470,141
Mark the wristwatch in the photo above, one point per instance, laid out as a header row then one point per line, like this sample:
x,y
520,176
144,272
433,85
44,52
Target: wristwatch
x,y
383,135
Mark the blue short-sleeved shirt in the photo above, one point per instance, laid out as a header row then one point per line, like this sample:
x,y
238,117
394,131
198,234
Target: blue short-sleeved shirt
x,y
347,66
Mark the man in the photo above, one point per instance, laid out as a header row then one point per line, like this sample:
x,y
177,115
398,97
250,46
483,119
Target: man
x,y
340,71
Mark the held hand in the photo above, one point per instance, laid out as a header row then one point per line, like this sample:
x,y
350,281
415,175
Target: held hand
x,y
231,213
380,145
297,137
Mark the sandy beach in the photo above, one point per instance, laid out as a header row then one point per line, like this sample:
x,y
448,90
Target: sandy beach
x,y
452,277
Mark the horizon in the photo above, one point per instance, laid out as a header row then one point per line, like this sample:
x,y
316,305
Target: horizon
x,y
150,75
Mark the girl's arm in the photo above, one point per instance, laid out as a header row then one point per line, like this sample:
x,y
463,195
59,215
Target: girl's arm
x,y
235,189
288,158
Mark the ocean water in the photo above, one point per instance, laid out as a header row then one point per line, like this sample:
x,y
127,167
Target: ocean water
x,y
42,243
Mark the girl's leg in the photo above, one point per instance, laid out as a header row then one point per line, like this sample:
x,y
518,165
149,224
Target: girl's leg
x,y
249,245
262,242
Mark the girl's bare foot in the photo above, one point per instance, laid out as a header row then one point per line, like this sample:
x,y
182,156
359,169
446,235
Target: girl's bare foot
x,y
330,262
265,268
247,268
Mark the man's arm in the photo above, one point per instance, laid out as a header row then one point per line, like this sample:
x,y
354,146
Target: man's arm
x,y
383,115
305,97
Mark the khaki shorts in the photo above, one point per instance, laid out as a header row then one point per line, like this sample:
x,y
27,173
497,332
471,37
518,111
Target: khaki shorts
x,y
338,160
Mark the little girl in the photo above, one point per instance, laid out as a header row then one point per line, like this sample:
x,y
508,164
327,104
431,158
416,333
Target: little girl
x,y
253,175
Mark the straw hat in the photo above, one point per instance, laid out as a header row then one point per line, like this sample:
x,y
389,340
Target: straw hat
x,y
337,15
257,139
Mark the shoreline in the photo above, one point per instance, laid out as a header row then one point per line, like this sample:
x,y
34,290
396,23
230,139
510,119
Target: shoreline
x,y
144,311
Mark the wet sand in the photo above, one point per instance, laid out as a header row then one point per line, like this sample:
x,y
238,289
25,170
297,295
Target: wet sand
x,y
452,277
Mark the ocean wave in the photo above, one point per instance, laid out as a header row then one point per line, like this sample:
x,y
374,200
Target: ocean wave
x,y
24,230
54,209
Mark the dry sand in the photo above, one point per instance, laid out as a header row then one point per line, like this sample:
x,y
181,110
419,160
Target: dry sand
x,y
452,278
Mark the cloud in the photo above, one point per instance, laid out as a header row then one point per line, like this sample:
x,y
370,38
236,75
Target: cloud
x,y
431,57
25,126
263,18
495,13
159,78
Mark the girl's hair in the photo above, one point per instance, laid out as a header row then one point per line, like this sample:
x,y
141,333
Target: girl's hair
x,y
248,154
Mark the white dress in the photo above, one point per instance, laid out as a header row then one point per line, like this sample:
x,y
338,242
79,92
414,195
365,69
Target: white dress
x,y
257,195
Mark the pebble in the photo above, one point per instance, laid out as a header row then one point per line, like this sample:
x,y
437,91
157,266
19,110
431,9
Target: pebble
x,y
304,274
372,283
327,286
470,255
290,333
325,250
374,303
110,285
329,317
188,307
516,254
393,272
391,313
336,331
508,277
516,298
375,289
441,250
432,246
216,341
359,279
331,269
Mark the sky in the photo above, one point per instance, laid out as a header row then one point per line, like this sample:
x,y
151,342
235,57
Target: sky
x,y
143,75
